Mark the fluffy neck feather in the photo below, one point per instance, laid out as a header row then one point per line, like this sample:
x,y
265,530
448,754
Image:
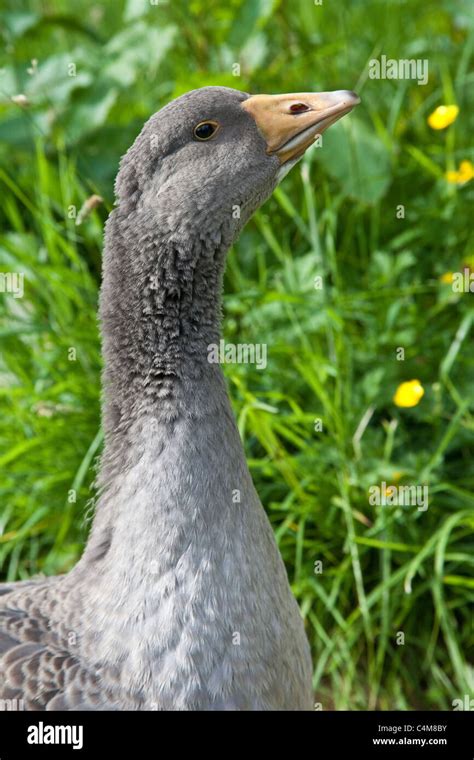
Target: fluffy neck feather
x,y
160,308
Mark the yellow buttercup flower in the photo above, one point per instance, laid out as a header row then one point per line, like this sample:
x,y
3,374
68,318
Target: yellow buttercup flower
x,y
462,175
466,170
452,176
447,278
443,116
409,393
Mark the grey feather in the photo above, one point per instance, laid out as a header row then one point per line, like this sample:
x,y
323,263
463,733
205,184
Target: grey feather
x,y
181,599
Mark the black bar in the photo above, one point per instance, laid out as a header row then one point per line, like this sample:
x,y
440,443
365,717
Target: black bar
x,y
152,734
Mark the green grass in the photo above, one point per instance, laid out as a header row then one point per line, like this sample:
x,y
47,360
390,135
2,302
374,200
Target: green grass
x,y
331,351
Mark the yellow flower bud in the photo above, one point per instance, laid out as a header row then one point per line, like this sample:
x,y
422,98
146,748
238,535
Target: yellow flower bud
x,y
462,175
443,116
409,393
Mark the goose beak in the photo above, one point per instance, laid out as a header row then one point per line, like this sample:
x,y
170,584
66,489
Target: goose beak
x,y
291,123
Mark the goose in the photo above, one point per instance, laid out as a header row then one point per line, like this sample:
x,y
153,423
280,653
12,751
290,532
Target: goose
x,y
181,600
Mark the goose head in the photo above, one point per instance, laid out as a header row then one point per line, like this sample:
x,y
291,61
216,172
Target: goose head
x,y
206,161
195,174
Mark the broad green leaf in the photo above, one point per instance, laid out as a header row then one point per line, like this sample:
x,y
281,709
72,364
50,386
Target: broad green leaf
x,y
55,79
91,112
18,22
357,158
137,48
253,15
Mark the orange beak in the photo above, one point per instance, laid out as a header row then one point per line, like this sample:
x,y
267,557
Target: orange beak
x,y
291,123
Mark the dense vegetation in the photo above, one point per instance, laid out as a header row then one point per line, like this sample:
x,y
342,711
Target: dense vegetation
x,y
84,76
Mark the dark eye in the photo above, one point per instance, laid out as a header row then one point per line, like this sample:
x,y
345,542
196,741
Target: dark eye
x,y
298,108
205,130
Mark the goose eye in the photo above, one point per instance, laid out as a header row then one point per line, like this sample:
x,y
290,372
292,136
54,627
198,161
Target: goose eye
x,y
298,108
205,130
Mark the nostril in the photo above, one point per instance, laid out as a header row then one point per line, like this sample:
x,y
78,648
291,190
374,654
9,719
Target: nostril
x,y
299,108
